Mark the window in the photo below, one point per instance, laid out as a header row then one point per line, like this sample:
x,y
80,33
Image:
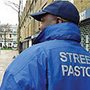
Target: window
x,y
10,35
81,1
9,44
0,36
87,42
0,44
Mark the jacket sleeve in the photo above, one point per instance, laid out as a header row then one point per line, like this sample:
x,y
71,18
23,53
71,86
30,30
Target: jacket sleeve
x,y
31,77
9,82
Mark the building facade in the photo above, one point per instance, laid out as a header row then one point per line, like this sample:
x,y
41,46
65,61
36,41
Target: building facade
x,y
29,26
84,9
9,38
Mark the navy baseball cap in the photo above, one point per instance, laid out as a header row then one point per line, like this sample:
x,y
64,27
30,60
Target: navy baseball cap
x,y
63,9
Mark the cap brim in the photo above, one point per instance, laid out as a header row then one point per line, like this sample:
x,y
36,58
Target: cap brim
x,y
38,15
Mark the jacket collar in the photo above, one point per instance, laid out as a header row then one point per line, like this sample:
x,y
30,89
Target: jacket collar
x,y
61,31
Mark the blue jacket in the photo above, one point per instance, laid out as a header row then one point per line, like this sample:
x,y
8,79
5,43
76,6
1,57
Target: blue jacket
x,y
56,62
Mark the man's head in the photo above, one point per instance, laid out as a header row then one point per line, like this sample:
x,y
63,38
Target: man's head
x,y
57,12
49,19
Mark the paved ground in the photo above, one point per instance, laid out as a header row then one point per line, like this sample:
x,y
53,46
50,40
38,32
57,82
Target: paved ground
x,y
6,57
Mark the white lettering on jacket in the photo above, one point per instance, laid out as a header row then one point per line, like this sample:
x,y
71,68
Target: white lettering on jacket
x,y
75,64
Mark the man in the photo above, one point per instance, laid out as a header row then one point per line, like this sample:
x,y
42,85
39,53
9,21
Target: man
x,y
57,61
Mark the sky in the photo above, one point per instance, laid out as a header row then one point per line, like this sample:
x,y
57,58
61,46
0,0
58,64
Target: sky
x,y
7,14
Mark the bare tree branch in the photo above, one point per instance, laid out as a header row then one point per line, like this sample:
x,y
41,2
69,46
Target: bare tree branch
x,y
11,6
16,5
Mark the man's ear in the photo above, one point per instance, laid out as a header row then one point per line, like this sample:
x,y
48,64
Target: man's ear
x,y
59,21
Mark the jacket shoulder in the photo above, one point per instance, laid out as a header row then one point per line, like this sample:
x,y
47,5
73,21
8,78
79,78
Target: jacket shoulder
x,y
26,66
23,59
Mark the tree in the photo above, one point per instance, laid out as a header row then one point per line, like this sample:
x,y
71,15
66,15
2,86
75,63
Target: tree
x,y
18,8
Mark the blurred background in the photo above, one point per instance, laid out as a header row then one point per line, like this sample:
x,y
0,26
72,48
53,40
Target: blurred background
x,y
18,29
